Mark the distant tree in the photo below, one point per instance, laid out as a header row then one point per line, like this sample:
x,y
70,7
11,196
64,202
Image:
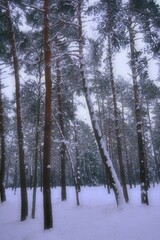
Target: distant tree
x,y
90,166
138,115
150,94
2,148
113,36
148,16
113,41
61,124
156,132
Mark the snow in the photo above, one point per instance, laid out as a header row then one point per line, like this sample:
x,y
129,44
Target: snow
x,y
97,217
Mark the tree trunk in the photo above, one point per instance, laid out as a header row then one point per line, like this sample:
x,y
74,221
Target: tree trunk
x,y
71,164
156,165
77,156
41,168
14,183
100,141
61,125
2,148
129,170
47,205
36,148
141,149
24,199
108,142
116,121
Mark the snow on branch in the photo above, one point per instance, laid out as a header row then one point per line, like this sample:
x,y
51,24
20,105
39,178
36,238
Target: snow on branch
x,y
68,22
33,7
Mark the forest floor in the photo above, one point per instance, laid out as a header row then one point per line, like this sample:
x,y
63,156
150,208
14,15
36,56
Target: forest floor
x,y
97,218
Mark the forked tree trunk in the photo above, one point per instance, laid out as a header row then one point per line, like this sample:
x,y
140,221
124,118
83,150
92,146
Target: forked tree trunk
x,y
138,117
61,124
47,205
2,147
24,199
115,184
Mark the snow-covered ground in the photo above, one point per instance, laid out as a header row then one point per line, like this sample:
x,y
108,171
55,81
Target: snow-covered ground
x,y
97,218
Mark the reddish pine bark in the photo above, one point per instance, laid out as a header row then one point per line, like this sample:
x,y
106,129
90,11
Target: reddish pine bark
x,y
24,199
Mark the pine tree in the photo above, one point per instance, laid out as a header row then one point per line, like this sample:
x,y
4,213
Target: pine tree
x,y
138,116
2,148
24,200
103,152
61,124
106,27
47,205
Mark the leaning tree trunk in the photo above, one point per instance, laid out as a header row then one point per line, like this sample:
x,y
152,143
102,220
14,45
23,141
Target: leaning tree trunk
x,y
138,117
115,184
47,205
61,124
2,154
24,199
116,121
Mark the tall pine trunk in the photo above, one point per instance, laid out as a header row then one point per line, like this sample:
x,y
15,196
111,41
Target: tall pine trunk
x,y
98,135
36,148
47,205
2,147
138,117
61,125
128,162
24,199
